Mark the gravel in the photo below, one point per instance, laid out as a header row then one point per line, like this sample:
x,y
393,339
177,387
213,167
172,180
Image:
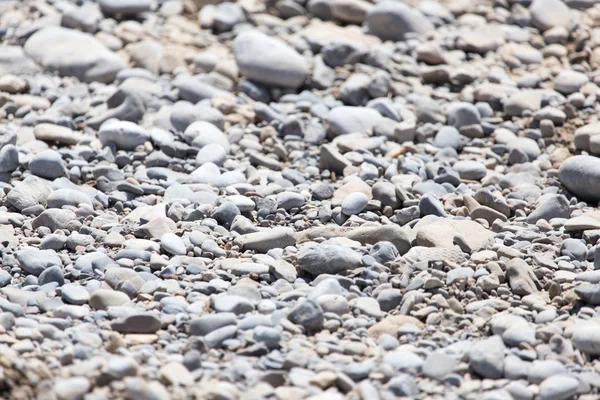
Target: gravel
x,y
318,199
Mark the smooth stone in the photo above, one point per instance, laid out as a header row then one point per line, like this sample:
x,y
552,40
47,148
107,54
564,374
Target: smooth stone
x,y
584,135
363,234
344,120
589,293
56,134
268,60
74,294
438,365
574,249
30,192
486,357
463,114
102,299
80,54
547,14
124,7
307,314
543,369
48,164
553,206
125,135
290,200
231,304
54,219
207,323
137,323
52,274
521,278
211,153
173,244
9,158
391,20
328,259
202,133
561,387
34,261
67,197
580,175
569,81
71,388
586,338
354,203
263,241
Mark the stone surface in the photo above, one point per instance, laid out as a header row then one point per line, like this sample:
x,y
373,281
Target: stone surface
x,y
579,174
316,199
79,54
391,20
268,60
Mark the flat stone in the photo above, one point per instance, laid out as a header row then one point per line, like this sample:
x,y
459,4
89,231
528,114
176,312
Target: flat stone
x,y
138,323
442,233
80,54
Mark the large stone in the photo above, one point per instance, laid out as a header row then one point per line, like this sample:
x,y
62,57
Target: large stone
x,y
56,134
589,293
202,133
30,192
546,14
74,53
363,234
569,81
13,60
268,60
587,339
125,135
558,387
487,357
263,241
584,134
124,7
521,278
344,120
328,259
54,219
443,233
581,176
138,323
308,314
392,20
48,164
67,197
391,324
553,206
34,261
102,299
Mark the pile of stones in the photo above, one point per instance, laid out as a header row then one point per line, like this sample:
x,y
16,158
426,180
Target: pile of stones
x,y
299,199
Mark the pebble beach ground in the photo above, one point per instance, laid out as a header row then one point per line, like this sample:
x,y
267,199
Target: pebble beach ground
x,y
299,199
